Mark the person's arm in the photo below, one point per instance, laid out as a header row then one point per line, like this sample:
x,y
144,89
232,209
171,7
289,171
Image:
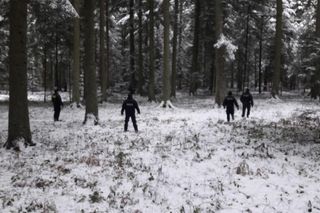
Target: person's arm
x,y
224,103
123,107
251,100
137,107
236,103
60,100
241,98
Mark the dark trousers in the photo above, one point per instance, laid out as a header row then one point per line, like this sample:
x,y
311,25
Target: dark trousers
x,y
230,112
228,116
56,114
244,109
134,122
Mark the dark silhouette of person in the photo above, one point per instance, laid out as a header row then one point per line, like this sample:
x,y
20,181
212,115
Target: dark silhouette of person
x,y
129,106
57,103
229,103
247,102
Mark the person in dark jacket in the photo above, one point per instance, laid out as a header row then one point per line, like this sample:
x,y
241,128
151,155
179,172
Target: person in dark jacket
x,y
247,102
57,103
129,106
229,103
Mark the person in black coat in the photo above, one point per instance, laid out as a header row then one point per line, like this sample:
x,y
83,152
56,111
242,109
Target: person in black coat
x,y
247,102
229,103
57,103
129,106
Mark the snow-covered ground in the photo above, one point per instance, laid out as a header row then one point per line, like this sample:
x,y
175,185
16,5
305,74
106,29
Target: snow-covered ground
x,y
183,160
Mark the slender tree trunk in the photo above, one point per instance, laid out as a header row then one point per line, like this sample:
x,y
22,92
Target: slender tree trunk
x,y
278,50
260,54
45,71
316,85
166,54
132,47
89,62
108,71
246,73
76,56
57,82
140,55
195,51
174,49
179,60
102,55
151,88
219,56
19,126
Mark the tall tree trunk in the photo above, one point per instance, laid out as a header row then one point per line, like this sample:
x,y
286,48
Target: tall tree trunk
x,y
174,49
179,60
76,56
45,71
140,54
260,53
89,62
166,54
56,76
316,85
151,92
195,50
132,47
278,50
108,71
246,72
102,55
219,56
19,126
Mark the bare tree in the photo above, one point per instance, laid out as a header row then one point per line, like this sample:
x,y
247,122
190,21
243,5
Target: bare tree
x,y
278,50
219,56
151,89
76,56
89,63
166,55
19,126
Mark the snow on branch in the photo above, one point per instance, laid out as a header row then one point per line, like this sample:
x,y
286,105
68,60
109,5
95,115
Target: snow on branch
x,y
230,48
65,4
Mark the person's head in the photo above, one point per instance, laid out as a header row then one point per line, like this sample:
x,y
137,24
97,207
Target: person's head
x,y
247,90
55,90
229,93
129,96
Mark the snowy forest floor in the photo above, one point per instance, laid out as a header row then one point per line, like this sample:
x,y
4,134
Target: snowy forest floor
x,y
183,160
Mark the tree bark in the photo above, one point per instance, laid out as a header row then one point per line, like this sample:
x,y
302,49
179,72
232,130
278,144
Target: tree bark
x,y
140,54
278,50
151,86
102,55
219,56
166,54
195,50
19,126
132,47
174,49
260,53
108,71
89,63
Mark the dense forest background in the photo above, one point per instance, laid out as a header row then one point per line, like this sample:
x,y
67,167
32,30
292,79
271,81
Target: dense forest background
x,y
93,49
127,49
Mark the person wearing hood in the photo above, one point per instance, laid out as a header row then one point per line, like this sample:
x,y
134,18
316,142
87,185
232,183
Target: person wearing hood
x,y
247,102
229,103
129,106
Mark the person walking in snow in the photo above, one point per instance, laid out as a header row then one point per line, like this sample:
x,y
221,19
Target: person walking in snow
x,y
229,103
130,106
57,103
247,102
